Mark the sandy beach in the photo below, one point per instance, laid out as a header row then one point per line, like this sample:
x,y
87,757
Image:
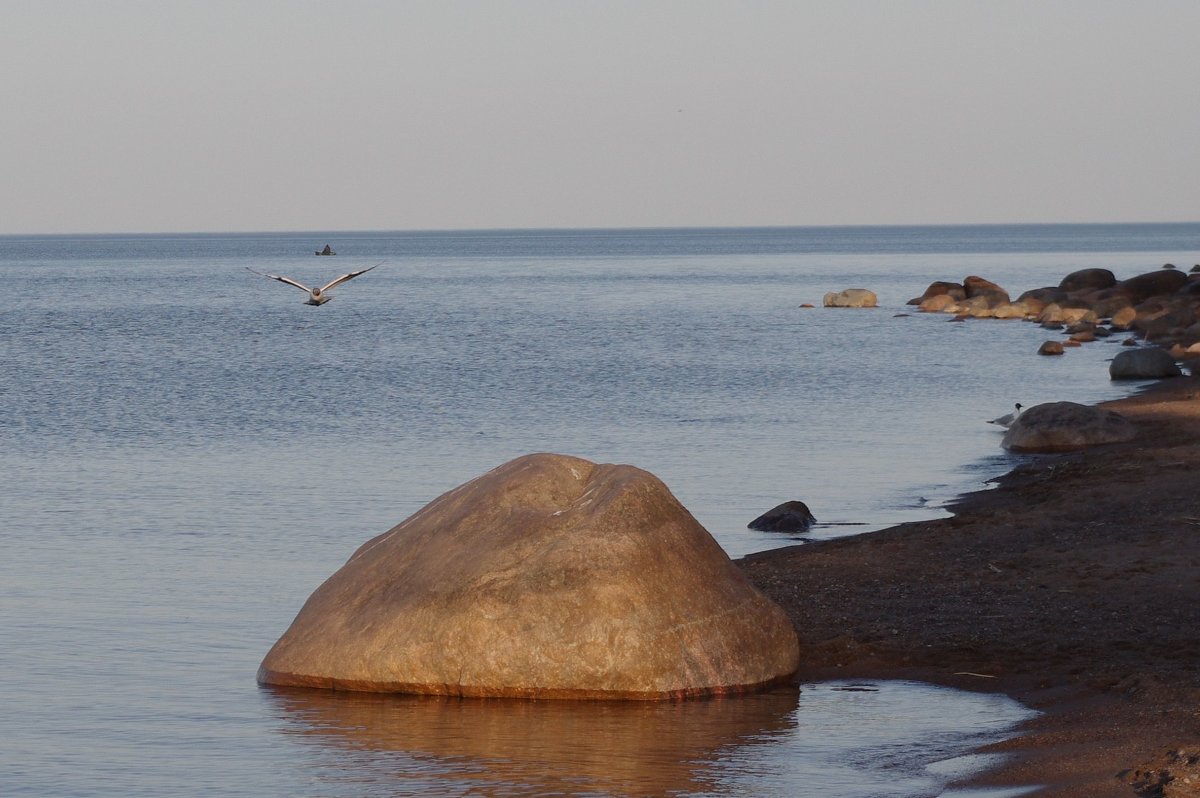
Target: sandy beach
x,y
1071,586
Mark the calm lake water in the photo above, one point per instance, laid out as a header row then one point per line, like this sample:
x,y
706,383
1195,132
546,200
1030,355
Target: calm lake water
x,y
189,450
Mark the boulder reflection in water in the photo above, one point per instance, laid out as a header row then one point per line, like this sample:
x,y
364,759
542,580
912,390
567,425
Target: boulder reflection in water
x,y
511,746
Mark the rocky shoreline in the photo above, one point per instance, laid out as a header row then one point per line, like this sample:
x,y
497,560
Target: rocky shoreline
x,y
1072,586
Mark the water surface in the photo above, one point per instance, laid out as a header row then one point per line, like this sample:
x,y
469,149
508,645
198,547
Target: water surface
x,y
189,451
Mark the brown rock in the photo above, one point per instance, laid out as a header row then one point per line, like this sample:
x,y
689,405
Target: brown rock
x,y
549,577
937,304
1124,317
851,298
1063,426
1009,311
1036,299
1157,283
941,288
1050,348
1104,302
1088,279
979,287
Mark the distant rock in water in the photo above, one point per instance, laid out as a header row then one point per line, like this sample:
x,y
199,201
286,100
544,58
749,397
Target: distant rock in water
x,y
979,287
851,298
548,577
1050,348
1151,284
327,251
793,516
1065,426
955,291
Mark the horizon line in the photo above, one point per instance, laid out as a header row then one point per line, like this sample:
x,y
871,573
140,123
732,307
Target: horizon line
x,y
598,228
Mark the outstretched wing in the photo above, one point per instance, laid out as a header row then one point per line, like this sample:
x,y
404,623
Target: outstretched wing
x,y
287,280
349,276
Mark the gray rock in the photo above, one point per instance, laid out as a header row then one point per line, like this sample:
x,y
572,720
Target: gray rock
x,y
793,516
1064,426
1148,363
1088,279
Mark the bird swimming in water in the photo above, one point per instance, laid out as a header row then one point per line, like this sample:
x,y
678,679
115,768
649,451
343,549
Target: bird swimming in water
x,y
1007,420
317,296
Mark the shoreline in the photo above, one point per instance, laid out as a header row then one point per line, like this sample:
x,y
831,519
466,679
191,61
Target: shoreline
x,y
1069,586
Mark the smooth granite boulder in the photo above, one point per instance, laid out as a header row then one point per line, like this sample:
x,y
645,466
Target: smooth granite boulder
x,y
1149,363
851,298
548,577
793,516
1064,426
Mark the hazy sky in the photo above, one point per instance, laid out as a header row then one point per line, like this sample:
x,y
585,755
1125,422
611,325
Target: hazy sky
x,y
220,116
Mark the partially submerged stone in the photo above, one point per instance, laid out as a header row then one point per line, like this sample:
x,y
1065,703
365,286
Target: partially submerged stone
x,y
1050,348
1143,364
851,298
549,577
793,516
1064,426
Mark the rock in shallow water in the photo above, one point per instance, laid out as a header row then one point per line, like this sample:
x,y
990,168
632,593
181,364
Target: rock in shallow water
x,y
549,577
851,298
793,516
1143,364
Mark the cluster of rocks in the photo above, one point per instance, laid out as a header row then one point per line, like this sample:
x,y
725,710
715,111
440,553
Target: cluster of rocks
x,y
1175,774
1162,307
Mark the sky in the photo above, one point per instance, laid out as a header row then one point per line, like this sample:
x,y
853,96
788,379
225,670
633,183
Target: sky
x,y
121,116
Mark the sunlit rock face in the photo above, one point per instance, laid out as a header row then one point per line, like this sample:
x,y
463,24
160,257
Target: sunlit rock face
x,y
549,577
1064,426
851,298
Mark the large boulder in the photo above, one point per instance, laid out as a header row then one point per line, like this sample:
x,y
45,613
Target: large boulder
x,y
548,577
851,298
793,516
1088,279
1063,426
1147,363
979,287
939,303
1150,284
941,288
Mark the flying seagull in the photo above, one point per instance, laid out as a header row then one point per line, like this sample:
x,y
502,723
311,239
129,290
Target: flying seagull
x,y
1007,420
317,296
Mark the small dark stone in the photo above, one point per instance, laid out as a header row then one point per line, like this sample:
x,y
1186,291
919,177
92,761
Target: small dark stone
x,y
793,516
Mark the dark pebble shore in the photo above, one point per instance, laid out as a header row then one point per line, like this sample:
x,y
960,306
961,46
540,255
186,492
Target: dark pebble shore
x,y
1073,586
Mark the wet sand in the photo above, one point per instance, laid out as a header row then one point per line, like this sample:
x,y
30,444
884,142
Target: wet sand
x,y
1073,586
